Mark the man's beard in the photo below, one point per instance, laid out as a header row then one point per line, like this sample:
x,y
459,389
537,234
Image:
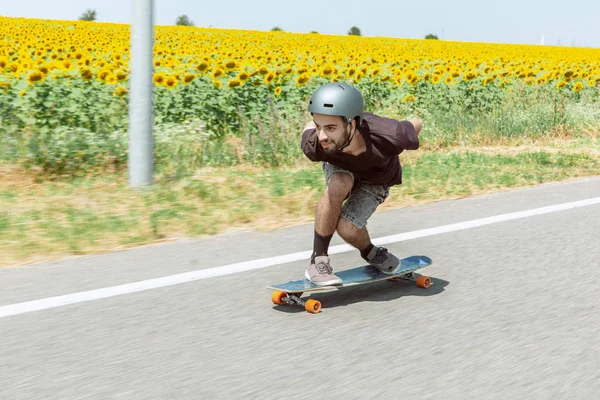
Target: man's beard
x,y
337,143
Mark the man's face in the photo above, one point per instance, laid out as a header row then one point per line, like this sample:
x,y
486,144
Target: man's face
x,y
332,131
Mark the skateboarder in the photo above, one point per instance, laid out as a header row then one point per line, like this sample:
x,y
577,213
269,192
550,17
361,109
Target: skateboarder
x,y
359,154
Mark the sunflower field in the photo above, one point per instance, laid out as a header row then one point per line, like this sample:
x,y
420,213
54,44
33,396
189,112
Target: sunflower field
x,y
64,88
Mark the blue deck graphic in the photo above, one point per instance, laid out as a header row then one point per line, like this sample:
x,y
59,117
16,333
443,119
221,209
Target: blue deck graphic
x,y
357,275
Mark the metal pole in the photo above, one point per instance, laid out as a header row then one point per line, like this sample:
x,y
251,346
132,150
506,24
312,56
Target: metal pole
x,y
141,111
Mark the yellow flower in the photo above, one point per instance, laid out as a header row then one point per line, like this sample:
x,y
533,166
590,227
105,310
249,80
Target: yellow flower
x,y
5,86
470,75
171,82
243,76
409,99
35,76
160,78
121,75
269,77
103,74
234,83
487,80
302,79
120,91
217,73
231,65
561,84
111,79
217,84
187,78
327,70
436,79
86,73
277,90
202,67
578,87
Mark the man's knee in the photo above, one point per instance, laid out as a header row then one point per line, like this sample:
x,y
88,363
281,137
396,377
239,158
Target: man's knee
x,y
346,228
339,186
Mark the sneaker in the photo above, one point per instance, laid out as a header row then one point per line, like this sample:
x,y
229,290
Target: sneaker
x,y
320,272
380,258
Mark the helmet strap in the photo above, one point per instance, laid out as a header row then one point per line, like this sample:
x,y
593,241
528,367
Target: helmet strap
x,y
348,141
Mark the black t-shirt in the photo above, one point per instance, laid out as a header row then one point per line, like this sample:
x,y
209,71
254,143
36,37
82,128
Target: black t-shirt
x,y
385,139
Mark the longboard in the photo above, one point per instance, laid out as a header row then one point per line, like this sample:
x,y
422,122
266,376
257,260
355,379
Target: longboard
x,y
290,292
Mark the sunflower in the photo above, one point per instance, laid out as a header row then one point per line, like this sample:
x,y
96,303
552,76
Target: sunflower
x,y
111,79
171,82
409,99
217,84
561,84
578,87
436,79
469,76
277,90
217,73
121,75
120,91
5,86
159,79
487,80
234,83
326,71
202,67
302,79
188,78
269,77
230,65
243,76
35,76
86,73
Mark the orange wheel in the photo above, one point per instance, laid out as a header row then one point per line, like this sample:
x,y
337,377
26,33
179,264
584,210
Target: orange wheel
x,y
393,279
312,306
277,297
424,282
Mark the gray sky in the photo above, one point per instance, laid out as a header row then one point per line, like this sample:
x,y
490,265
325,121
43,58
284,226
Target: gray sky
x,y
568,23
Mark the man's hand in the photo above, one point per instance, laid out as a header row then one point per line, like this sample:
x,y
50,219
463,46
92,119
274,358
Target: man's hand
x,y
417,123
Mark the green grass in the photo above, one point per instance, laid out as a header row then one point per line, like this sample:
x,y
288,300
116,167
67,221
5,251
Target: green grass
x,y
82,216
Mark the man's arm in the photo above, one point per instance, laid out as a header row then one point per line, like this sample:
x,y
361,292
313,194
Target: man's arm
x,y
417,123
310,142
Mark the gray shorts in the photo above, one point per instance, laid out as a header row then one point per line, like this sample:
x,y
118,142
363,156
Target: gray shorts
x,y
363,200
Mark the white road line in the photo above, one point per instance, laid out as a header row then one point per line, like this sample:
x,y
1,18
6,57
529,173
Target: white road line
x,y
59,301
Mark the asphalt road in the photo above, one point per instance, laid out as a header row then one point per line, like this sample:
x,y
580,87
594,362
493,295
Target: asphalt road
x,y
513,313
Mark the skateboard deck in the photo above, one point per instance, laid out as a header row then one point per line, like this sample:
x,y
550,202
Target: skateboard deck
x,y
290,292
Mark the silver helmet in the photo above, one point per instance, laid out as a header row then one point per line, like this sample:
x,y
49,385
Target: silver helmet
x,y
338,99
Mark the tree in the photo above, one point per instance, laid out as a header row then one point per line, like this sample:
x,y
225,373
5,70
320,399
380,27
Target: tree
x,y
354,31
314,32
276,29
184,20
431,36
88,15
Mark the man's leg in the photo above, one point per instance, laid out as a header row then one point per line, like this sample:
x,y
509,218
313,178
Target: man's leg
x,y
362,203
329,207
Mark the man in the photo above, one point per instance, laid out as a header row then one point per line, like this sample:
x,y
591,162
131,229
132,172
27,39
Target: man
x,y
359,154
